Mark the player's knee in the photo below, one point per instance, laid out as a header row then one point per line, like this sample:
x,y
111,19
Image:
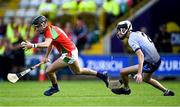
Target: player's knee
x,y
48,70
122,72
82,71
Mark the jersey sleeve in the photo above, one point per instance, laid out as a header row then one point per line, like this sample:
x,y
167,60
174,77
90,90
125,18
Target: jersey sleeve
x,y
134,43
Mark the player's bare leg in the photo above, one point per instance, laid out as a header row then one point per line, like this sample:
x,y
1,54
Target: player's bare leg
x,y
59,63
125,72
85,71
125,79
148,79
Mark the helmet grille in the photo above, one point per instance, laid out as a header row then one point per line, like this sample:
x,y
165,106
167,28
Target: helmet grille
x,y
38,20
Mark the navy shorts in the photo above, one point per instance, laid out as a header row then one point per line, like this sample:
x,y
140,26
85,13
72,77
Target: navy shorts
x,y
151,67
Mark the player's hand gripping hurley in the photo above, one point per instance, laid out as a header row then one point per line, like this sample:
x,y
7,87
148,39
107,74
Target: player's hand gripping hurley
x,y
14,77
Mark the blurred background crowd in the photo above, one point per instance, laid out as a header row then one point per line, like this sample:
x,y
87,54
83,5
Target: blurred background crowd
x,y
88,23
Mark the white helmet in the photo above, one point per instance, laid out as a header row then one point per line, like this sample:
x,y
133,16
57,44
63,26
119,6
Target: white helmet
x,y
124,24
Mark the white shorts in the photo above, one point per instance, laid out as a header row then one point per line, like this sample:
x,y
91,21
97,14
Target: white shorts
x,y
70,59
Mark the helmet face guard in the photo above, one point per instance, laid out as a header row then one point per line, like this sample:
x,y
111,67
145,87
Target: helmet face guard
x,y
38,22
123,28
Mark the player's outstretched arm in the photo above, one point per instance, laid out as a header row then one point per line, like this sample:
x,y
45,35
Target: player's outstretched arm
x,y
44,44
26,45
29,45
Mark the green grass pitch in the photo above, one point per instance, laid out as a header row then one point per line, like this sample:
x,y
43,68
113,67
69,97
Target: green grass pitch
x,y
85,93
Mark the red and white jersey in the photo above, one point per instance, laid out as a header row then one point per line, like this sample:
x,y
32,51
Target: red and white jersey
x,y
60,39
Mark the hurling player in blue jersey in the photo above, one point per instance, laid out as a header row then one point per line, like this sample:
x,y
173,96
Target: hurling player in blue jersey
x,y
148,60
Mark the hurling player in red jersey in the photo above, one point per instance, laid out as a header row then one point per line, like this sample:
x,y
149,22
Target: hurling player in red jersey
x,y
56,37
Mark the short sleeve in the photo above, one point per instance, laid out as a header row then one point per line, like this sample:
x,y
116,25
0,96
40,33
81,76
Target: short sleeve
x,y
133,43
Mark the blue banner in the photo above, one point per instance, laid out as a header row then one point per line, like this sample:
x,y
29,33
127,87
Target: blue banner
x,y
111,64
170,65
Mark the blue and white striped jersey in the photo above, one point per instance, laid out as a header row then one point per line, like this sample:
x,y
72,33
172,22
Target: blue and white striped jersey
x,y
139,40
